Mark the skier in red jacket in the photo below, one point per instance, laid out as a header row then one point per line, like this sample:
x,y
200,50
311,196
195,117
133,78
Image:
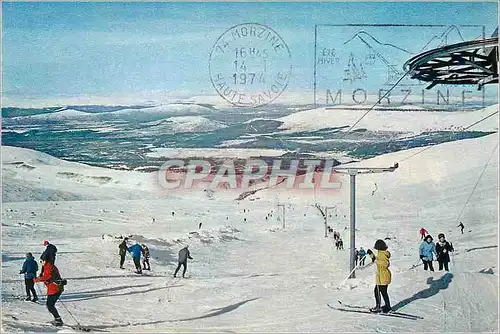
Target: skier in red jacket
x,y
55,286
423,233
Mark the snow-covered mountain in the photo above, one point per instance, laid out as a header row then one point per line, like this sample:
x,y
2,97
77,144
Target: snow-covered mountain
x,y
249,274
383,120
185,124
136,114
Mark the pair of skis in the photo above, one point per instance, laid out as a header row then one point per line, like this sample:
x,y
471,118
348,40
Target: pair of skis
x,y
366,310
51,324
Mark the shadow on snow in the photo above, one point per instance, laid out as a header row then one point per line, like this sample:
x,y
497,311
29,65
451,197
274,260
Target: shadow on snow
x,y
434,287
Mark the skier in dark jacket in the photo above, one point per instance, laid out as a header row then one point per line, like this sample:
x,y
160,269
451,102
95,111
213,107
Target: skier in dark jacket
x,y
123,251
443,249
145,257
461,225
30,267
184,255
49,254
136,251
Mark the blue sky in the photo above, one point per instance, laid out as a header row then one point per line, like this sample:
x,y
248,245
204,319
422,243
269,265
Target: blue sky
x,y
53,50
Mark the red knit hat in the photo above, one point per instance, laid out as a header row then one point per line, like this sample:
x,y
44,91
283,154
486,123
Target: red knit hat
x,y
45,242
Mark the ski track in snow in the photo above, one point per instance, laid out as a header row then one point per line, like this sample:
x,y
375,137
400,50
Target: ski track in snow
x,y
254,275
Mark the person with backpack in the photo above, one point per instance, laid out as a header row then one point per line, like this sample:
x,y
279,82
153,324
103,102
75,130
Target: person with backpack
x,y
382,277
443,249
145,257
29,269
184,255
122,251
426,251
55,287
136,251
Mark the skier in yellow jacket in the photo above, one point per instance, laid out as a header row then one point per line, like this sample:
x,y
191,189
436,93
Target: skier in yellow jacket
x,y
383,277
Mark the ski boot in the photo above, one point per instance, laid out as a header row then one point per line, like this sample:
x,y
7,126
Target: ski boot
x,y
386,309
376,309
27,299
57,322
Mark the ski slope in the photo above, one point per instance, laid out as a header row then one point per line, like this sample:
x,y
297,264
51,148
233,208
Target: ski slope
x,y
253,276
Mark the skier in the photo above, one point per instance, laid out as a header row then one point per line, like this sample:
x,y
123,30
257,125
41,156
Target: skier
x,y
122,251
30,267
55,287
356,256
49,254
382,278
426,250
423,232
145,259
199,225
341,244
136,251
362,256
184,255
461,227
443,249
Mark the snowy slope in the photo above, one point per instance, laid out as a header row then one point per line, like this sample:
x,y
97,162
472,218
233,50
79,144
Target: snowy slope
x,y
383,120
254,276
31,175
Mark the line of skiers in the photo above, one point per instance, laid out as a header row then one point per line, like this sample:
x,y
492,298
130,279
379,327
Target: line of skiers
x,y
441,250
339,244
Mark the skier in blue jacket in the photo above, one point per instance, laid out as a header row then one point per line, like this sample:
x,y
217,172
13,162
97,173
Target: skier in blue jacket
x,y
30,267
362,256
426,249
136,251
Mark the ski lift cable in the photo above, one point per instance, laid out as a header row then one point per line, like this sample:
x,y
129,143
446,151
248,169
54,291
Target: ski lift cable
x,y
428,147
374,105
464,129
477,182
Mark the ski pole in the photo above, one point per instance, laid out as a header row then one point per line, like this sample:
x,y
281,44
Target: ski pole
x,y
350,274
